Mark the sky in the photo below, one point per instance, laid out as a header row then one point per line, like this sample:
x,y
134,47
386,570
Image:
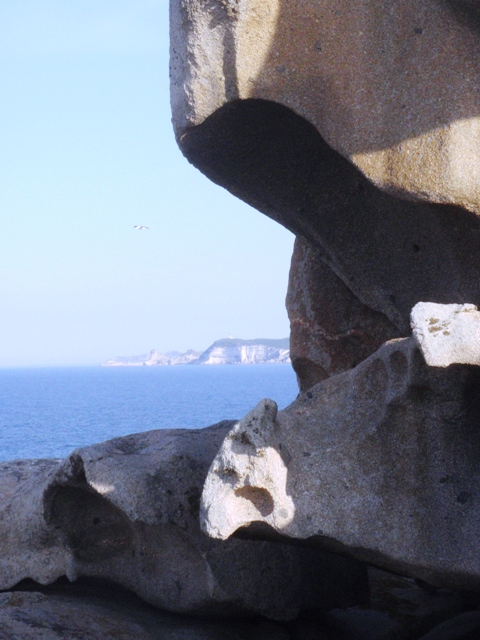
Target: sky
x,y
88,152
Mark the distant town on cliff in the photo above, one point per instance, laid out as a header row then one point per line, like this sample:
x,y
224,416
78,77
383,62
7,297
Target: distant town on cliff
x,y
225,351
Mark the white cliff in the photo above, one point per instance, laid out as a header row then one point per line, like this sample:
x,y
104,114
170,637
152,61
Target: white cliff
x,y
153,359
236,351
226,351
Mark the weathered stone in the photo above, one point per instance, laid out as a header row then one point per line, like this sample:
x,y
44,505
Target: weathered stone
x,y
447,333
399,609
127,510
380,462
330,329
315,114
464,627
39,616
391,87
389,252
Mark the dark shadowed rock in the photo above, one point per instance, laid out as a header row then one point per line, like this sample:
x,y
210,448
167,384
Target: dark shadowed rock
x,y
39,616
389,252
331,331
463,627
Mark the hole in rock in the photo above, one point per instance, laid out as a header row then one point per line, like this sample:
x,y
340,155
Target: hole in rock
x,y
260,498
94,528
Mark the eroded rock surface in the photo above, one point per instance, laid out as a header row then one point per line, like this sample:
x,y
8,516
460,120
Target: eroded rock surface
x,y
331,331
381,461
391,87
317,113
128,510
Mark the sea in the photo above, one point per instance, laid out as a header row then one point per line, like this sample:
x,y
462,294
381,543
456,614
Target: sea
x,y
49,412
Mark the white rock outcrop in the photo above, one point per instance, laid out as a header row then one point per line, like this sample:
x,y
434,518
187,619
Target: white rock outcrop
x,y
447,333
237,351
153,359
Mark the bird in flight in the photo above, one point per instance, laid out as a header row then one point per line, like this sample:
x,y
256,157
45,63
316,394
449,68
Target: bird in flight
x,y
139,227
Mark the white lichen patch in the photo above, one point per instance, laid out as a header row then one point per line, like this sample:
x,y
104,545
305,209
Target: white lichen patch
x,y
447,333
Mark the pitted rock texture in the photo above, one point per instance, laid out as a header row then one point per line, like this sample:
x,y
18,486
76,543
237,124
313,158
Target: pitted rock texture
x,y
447,333
393,87
330,330
381,461
38,616
127,510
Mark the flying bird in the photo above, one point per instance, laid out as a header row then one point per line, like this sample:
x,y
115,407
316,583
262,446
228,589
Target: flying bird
x,y
139,227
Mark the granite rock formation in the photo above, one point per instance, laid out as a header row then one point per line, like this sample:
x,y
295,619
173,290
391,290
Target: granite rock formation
x,y
447,333
355,126
331,331
30,615
317,114
392,87
127,510
380,461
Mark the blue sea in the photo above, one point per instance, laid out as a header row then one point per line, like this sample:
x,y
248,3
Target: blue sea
x,y
46,413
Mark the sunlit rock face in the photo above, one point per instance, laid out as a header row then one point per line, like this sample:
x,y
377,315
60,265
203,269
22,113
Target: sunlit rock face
x,y
393,87
381,461
235,351
316,113
127,510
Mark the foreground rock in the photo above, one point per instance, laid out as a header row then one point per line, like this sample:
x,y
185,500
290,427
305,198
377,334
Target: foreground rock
x,y
37,616
380,461
447,333
128,510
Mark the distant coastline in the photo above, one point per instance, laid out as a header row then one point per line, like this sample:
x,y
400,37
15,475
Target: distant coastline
x,y
224,351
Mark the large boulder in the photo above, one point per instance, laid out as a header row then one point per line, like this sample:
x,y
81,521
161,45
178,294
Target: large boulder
x,y
318,114
380,462
127,510
354,125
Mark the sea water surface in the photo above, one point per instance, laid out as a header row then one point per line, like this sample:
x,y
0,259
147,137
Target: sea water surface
x,y
49,412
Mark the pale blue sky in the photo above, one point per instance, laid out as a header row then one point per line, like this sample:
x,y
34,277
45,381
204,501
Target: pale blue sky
x,y
88,152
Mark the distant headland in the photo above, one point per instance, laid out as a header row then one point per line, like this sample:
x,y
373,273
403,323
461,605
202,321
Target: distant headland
x,y
225,351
